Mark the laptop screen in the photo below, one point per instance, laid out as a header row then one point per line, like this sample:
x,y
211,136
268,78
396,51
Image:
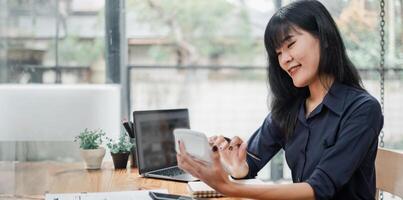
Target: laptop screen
x,y
154,137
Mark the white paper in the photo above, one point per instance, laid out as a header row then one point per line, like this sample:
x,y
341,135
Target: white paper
x,y
124,195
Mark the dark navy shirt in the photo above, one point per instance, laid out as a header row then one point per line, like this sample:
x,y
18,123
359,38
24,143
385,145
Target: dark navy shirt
x,y
333,149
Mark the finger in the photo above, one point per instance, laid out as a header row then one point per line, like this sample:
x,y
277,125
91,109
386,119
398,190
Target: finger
x,y
179,161
186,167
226,157
212,139
224,145
186,163
201,162
184,158
182,148
217,162
194,164
215,156
236,146
219,140
187,157
242,151
236,141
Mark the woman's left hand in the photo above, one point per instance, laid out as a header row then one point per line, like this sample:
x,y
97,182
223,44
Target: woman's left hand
x,y
213,174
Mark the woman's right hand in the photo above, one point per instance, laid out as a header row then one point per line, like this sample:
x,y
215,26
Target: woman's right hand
x,y
232,154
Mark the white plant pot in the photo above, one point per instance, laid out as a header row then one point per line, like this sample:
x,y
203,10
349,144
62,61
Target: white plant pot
x,y
93,157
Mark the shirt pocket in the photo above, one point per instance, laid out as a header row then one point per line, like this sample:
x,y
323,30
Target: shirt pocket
x,y
331,138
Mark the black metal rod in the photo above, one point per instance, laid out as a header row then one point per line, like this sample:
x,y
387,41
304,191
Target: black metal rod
x,y
52,68
112,41
220,67
193,67
58,73
128,92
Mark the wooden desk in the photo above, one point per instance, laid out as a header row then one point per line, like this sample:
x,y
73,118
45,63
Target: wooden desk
x,y
31,180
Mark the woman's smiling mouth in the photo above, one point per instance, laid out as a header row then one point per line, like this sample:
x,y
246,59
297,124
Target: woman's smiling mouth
x,y
293,69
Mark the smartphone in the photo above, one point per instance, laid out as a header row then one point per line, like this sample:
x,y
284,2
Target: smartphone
x,y
196,144
163,196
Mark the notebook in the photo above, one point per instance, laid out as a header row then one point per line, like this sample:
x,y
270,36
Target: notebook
x,y
200,189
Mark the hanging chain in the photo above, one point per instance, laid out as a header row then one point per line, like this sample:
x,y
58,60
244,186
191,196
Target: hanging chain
x,y
382,65
382,72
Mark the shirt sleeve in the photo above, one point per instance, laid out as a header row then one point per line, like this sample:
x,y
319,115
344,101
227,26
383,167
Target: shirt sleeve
x,y
263,145
356,135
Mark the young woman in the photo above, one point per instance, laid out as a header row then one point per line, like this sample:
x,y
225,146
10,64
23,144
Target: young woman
x,y
327,124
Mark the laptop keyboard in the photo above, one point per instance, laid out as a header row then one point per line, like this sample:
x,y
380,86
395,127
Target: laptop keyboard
x,y
175,171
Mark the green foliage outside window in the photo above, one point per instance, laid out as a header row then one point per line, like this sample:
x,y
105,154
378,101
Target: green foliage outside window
x,y
203,29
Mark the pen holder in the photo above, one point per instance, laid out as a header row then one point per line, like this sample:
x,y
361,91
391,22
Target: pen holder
x,y
133,154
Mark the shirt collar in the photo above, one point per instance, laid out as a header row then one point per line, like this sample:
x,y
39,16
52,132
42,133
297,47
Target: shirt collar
x,y
333,100
335,97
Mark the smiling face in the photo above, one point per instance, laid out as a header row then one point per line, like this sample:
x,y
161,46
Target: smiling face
x,y
299,56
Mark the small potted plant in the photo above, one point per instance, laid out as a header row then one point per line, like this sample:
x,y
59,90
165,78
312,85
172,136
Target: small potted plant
x,y
120,150
90,149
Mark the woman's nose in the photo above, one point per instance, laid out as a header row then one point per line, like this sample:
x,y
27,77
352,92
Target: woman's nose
x,y
285,58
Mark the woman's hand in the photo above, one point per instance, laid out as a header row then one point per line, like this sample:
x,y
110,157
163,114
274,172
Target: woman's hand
x,y
233,154
213,174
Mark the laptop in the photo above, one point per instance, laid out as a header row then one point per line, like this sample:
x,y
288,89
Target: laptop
x,y
156,155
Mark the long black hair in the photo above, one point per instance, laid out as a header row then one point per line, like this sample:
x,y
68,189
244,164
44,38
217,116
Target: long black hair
x,y
310,16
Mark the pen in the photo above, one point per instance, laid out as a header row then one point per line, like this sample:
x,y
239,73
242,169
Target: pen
x,y
132,128
247,152
185,198
127,128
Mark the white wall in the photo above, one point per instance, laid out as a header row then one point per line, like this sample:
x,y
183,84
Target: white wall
x,y
54,113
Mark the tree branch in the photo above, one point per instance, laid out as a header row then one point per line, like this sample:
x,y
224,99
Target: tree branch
x,y
186,50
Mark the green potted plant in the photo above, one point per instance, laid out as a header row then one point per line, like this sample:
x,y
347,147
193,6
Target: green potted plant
x,y
120,150
90,147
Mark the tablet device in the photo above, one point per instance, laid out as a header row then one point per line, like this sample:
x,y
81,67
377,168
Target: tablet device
x,y
196,144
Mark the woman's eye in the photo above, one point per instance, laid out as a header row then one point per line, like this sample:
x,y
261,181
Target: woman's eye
x,y
290,45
